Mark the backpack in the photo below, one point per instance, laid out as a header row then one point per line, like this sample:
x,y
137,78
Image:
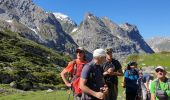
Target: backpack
x,y
76,78
92,77
123,83
160,94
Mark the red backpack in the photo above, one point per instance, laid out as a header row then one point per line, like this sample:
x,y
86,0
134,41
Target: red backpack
x,y
76,78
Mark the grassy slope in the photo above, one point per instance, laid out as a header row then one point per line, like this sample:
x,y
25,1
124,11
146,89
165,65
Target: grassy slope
x,y
21,59
152,59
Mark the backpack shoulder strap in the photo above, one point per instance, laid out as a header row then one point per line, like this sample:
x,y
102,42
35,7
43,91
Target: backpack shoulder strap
x,y
129,73
74,67
168,81
92,73
156,85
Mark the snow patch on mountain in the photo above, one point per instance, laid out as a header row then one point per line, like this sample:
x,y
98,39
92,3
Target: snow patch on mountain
x,y
63,17
9,21
74,30
34,30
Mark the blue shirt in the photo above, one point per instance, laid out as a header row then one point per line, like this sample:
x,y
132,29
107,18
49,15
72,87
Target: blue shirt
x,y
146,77
131,77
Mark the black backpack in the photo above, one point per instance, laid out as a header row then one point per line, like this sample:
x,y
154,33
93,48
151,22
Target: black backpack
x,y
92,77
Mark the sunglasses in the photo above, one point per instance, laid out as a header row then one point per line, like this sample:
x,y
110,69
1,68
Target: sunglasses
x,y
159,70
109,52
79,52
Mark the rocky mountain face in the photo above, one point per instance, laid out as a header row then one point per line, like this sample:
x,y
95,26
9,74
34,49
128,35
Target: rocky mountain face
x,y
159,44
58,31
32,22
95,32
66,22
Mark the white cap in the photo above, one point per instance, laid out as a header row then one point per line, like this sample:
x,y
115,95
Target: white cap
x,y
160,67
99,53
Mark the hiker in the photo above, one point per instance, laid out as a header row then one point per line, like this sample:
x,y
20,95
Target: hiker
x,y
112,69
92,81
131,76
160,87
143,83
75,68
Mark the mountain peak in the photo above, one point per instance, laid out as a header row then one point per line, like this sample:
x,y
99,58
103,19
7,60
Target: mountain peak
x,y
90,16
128,27
159,44
64,18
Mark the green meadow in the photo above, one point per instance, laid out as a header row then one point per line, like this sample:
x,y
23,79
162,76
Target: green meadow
x,y
156,59
14,94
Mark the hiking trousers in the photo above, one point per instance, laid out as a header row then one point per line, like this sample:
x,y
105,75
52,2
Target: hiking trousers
x,y
111,94
131,96
77,97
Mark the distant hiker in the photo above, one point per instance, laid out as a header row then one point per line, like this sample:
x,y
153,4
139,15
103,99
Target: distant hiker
x,y
131,76
75,68
143,83
92,81
160,87
112,69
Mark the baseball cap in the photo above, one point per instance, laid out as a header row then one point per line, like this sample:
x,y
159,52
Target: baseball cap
x,y
81,49
160,67
132,63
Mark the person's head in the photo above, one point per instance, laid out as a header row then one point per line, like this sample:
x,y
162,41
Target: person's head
x,y
140,73
80,53
109,53
99,55
132,65
160,72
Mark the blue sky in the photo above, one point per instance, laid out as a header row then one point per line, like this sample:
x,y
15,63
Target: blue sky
x,y
152,17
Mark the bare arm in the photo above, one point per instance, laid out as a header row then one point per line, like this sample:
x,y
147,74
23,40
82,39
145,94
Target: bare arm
x,y
118,73
63,76
147,85
111,72
86,89
152,97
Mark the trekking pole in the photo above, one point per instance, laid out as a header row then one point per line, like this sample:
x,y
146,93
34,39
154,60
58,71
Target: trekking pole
x,y
69,93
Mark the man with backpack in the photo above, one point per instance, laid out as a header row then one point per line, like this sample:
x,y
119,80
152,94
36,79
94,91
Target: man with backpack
x,y
92,81
160,87
75,68
112,69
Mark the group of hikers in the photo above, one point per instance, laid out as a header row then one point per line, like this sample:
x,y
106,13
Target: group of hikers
x,y
98,79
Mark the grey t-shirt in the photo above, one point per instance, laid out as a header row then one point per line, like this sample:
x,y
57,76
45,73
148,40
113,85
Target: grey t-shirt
x,y
146,77
94,75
